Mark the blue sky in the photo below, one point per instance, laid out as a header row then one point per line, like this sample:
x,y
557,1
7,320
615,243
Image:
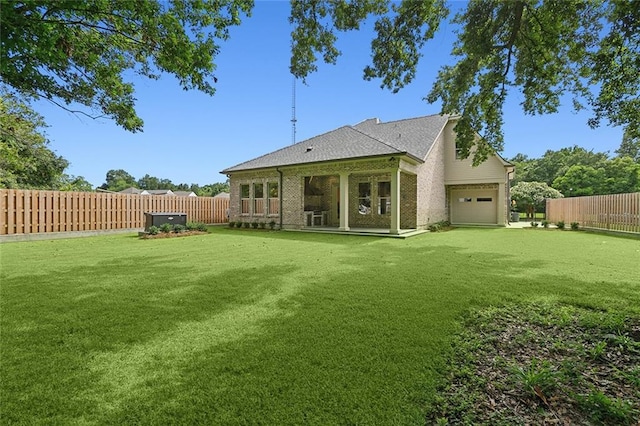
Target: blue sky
x,y
189,136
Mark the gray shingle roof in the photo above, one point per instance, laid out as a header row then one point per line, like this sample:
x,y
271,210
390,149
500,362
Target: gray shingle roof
x,y
412,136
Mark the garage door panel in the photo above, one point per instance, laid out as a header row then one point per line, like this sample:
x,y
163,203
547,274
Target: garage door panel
x,y
474,206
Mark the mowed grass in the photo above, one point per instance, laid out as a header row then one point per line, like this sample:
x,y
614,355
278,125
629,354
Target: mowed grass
x,y
258,327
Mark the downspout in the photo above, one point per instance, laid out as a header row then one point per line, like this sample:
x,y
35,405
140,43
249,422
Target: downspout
x,y
280,196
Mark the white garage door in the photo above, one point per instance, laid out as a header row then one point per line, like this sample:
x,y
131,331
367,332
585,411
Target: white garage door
x,y
474,206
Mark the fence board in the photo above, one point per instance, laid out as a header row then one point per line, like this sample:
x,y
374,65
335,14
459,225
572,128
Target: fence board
x,y
35,211
616,212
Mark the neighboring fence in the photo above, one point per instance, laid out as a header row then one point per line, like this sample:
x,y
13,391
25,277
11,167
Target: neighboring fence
x,y
617,212
30,212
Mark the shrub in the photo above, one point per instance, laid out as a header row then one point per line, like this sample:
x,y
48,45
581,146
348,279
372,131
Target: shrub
x,y
535,224
247,225
166,227
575,226
560,224
196,226
239,224
177,228
254,224
231,224
439,226
262,225
434,227
545,223
153,230
272,225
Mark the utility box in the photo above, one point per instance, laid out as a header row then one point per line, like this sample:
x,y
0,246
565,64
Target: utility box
x,y
159,219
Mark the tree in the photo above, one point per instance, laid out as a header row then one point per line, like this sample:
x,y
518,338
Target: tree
x,y
213,189
544,49
630,146
622,175
117,180
26,161
74,183
580,181
80,52
554,164
532,196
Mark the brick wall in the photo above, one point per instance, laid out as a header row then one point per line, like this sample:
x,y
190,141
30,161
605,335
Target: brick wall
x,y
327,178
431,192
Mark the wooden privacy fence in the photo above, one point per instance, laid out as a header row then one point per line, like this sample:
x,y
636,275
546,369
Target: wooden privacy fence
x,y
30,212
617,212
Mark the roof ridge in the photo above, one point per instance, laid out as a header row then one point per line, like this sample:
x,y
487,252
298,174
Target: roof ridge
x,y
288,146
415,118
377,140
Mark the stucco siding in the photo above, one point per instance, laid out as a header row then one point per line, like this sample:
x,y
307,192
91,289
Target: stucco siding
x,y
462,171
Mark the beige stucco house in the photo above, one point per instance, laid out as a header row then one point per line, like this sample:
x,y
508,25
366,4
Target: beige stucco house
x,y
396,176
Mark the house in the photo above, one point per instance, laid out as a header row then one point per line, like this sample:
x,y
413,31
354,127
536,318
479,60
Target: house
x,y
396,176
160,192
185,193
222,195
135,191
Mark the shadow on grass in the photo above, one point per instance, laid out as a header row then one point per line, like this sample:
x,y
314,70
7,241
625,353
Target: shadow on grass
x,y
303,336
359,347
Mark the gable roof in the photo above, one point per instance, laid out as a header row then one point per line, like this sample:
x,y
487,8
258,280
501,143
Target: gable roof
x,y
185,193
413,137
132,190
160,192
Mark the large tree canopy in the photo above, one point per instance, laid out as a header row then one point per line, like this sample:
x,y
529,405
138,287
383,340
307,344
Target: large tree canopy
x,y
25,158
79,52
587,49
71,51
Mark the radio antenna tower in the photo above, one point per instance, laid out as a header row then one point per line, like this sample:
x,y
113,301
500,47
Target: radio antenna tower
x,y
293,112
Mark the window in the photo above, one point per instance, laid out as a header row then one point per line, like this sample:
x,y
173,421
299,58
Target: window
x,y
274,200
484,200
244,199
458,153
464,200
384,197
364,198
258,198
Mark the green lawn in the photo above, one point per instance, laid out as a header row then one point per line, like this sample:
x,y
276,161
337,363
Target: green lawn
x,y
257,327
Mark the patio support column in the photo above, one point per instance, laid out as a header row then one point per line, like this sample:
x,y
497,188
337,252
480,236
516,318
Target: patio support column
x,y
344,201
395,202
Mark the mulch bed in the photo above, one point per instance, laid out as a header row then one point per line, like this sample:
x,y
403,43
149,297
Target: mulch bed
x,y
147,236
543,365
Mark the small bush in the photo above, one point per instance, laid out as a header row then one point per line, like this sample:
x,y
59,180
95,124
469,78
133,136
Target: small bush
x,y
153,230
177,228
545,223
262,225
232,224
434,227
254,224
535,224
439,226
560,224
575,226
239,224
605,409
166,227
247,225
272,225
196,226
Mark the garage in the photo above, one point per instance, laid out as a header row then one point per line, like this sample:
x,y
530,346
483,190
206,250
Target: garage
x,y
474,206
